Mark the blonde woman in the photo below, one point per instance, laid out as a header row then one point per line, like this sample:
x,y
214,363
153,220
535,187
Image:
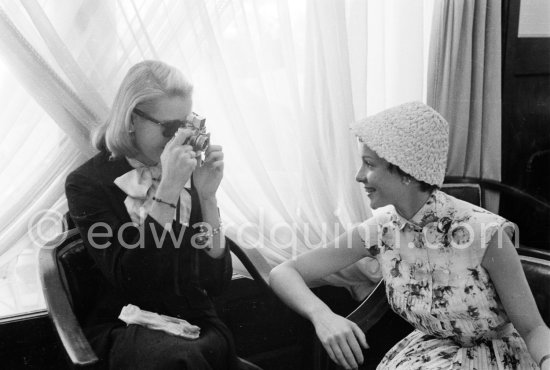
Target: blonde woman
x,y
136,205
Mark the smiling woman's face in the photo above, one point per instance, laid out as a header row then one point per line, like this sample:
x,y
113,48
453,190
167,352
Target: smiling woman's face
x,y
148,135
383,186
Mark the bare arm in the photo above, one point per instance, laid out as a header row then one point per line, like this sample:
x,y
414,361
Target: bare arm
x,y
504,267
290,279
207,178
340,337
210,215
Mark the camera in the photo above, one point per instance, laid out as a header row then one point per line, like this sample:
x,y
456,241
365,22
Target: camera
x,y
199,139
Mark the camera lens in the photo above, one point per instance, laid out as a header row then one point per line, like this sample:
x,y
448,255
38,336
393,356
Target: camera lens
x,y
198,141
202,142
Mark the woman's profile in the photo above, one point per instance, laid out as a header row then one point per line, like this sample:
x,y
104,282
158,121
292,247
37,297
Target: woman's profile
x,y
450,268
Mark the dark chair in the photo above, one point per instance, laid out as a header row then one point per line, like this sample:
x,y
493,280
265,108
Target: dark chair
x,y
536,265
255,264
537,176
465,191
528,210
462,190
69,278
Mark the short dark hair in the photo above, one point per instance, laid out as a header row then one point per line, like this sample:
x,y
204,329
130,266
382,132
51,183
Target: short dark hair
x,y
424,186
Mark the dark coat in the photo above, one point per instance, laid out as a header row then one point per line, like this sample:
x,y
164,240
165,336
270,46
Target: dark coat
x,y
167,278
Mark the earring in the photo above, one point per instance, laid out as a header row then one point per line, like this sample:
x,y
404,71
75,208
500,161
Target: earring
x,y
407,180
132,130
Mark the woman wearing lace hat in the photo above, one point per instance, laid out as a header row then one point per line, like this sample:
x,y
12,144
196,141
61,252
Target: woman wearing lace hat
x,y
137,204
450,268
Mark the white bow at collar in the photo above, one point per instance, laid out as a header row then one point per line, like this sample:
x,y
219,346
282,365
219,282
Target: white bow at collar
x,y
140,184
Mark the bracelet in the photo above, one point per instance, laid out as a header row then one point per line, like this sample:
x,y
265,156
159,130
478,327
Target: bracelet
x,y
203,240
544,358
216,231
163,202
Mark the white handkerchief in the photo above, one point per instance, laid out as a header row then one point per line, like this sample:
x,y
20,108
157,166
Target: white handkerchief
x,y
131,314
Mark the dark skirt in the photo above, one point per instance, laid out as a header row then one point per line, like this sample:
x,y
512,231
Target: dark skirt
x,y
137,347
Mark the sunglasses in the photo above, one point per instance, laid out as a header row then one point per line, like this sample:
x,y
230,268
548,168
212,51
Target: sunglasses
x,y
169,127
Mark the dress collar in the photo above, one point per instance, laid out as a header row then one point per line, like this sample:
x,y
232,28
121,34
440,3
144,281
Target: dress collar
x,y
425,215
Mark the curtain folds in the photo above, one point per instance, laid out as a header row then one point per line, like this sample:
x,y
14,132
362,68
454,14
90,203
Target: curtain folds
x,y
279,83
40,183
464,83
38,155
55,96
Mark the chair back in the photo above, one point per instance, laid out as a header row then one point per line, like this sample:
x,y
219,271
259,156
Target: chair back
x,y
80,277
536,265
468,192
67,284
70,281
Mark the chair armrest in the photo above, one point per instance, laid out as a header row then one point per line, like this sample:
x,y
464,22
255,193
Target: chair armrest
x,y
534,252
371,309
246,365
59,308
254,263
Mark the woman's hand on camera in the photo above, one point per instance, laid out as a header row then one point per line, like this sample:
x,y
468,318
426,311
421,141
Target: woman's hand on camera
x,y
342,339
178,161
208,176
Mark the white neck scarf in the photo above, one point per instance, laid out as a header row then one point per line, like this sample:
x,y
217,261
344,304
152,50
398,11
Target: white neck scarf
x,y
140,184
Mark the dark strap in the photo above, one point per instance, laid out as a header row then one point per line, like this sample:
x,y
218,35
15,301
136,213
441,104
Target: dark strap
x,y
178,215
187,250
192,219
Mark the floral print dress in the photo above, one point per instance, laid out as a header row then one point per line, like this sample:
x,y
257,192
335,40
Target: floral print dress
x,y
434,279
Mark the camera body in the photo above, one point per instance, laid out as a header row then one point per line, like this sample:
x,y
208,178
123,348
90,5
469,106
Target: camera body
x,y
200,139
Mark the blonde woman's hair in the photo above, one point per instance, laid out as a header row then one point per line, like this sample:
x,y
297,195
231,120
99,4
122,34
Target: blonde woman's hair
x,y
143,84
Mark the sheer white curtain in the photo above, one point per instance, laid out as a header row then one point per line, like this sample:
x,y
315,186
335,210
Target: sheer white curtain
x,y
49,108
279,82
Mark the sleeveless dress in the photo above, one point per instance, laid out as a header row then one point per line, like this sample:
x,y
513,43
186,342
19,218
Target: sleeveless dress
x,y
431,265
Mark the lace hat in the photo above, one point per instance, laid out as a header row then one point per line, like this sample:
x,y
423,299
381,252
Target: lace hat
x,y
412,136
